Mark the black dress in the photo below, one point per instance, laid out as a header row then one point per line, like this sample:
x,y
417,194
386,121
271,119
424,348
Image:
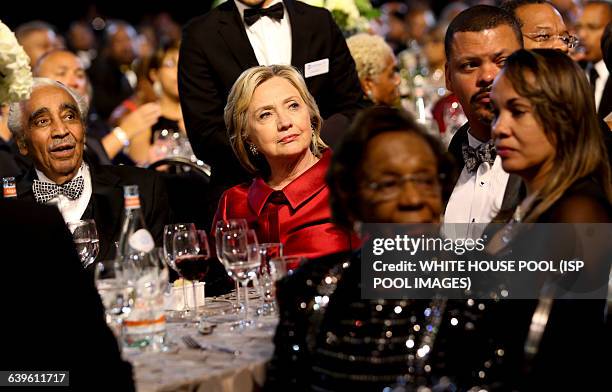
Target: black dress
x,y
328,338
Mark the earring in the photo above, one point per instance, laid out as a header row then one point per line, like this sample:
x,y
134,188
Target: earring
x,y
253,149
370,96
157,88
357,226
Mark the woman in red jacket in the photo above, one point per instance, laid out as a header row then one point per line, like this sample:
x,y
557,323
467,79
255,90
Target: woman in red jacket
x,y
274,127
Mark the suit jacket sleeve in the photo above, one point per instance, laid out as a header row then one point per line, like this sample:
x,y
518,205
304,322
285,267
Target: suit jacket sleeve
x,y
202,103
346,94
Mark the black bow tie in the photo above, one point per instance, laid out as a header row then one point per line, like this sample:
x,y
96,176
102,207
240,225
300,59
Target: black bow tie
x,y
45,191
252,15
473,157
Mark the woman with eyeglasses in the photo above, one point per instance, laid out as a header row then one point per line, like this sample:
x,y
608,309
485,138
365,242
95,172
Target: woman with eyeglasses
x,y
387,170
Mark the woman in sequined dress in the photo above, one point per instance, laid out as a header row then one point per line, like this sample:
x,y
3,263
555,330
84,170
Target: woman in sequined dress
x,y
388,169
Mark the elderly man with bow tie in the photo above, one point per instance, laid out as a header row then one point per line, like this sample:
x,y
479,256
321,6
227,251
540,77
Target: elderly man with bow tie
x,y
49,128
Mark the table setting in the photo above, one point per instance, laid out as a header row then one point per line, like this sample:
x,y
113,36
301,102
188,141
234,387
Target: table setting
x,y
217,343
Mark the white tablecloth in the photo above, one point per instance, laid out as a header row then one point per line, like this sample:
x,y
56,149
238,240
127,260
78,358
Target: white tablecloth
x,y
184,369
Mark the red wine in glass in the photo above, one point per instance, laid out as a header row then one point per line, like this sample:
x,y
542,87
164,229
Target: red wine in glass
x,y
193,267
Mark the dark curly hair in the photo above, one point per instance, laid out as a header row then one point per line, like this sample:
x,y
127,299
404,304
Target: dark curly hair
x,y
345,168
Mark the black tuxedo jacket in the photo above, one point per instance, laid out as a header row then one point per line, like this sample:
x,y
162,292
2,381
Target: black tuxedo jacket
x,y
54,316
515,189
215,50
106,204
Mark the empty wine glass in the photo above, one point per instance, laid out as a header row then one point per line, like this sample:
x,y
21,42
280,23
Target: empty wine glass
x,y
86,240
192,259
224,226
267,252
281,267
168,252
241,258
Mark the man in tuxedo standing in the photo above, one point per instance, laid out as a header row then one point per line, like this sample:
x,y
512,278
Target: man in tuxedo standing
x,y
477,43
49,128
218,46
590,27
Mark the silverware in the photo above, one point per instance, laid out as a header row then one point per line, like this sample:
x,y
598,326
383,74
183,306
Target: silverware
x,y
193,344
206,328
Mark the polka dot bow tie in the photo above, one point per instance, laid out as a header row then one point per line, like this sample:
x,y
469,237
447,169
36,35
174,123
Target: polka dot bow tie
x,y
473,157
45,191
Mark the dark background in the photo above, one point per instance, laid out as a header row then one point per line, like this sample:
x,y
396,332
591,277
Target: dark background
x,y
61,13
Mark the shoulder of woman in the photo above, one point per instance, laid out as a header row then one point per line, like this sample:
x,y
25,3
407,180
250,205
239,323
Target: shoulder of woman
x,y
584,202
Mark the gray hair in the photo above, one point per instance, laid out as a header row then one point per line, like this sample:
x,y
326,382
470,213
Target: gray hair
x,y
369,52
15,116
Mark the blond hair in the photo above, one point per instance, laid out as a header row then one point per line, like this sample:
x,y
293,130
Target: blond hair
x,y
369,52
236,112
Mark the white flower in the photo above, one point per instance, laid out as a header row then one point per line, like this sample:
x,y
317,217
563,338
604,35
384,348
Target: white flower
x,y
346,6
349,18
15,74
315,3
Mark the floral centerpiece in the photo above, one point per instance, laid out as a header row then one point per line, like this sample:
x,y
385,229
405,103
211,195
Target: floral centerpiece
x,y
15,74
352,16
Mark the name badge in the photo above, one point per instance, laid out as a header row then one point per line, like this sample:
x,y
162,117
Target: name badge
x,y
316,68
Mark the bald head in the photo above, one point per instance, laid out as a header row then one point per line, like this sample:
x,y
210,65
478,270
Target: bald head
x,y
37,38
64,67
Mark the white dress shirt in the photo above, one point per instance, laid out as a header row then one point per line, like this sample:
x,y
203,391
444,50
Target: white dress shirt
x,y
477,196
72,210
601,81
269,38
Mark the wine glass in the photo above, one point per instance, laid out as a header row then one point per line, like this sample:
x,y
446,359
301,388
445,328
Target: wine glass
x,y
168,253
192,259
86,240
281,267
267,251
224,226
242,259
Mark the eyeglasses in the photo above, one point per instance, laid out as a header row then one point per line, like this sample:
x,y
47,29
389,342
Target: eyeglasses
x,y
390,188
570,40
170,63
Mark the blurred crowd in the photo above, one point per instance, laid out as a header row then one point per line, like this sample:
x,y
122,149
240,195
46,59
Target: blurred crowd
x,y
480,112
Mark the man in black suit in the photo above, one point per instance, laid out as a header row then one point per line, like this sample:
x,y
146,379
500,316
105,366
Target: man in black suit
x,y
477,43
54,319
218,46
590,27
49,128
111,78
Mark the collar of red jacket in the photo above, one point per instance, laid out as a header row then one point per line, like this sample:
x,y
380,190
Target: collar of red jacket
x,y
298,192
